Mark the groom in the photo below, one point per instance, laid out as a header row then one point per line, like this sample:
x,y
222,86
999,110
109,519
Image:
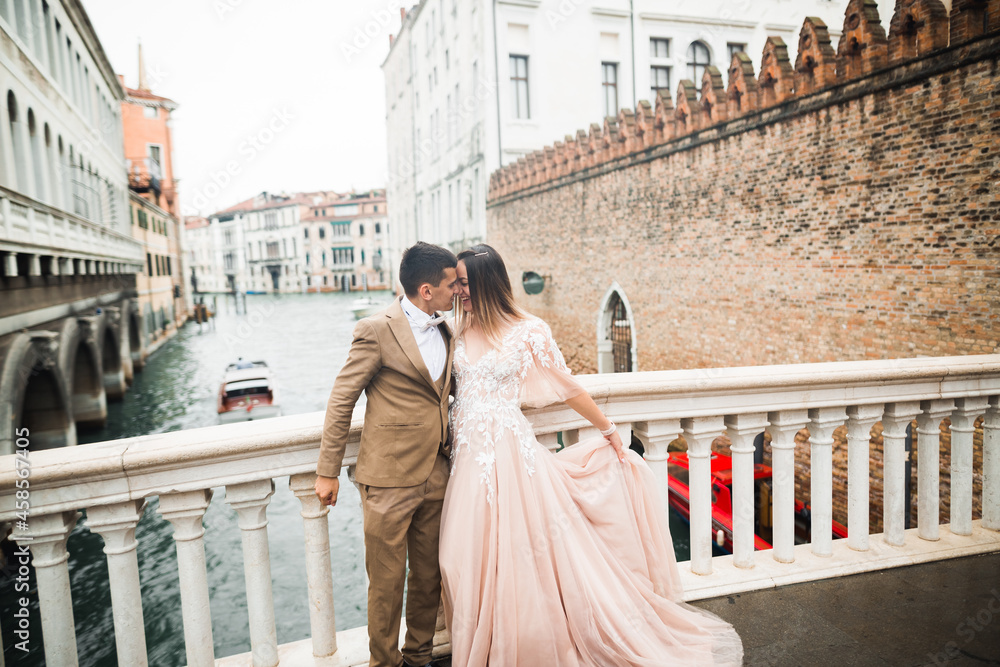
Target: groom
x,y
401,359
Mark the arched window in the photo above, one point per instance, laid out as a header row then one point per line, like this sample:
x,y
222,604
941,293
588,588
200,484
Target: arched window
x,y
37,159
52,164
621,336
698,60
615,333
21,166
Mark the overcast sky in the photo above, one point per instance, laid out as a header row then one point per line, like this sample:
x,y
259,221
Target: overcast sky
x,y
273,95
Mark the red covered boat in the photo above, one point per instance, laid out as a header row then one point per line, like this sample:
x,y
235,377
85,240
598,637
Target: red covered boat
x,y
722,502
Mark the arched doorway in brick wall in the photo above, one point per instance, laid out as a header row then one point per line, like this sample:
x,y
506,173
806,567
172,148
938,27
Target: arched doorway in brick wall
x,y
615,333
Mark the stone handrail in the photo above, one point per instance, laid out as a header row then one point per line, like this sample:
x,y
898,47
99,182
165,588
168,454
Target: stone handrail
x,y
35,228
112,481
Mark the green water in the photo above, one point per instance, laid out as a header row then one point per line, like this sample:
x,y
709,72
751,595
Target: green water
x,y
304,339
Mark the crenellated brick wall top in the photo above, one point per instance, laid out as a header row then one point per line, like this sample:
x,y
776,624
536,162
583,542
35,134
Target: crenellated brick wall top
x,y
921,33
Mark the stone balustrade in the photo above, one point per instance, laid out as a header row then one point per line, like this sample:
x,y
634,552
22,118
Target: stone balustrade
x,y
58,243
112,481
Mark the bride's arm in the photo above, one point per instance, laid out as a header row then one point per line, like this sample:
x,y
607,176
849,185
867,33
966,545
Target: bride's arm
x,y
585,405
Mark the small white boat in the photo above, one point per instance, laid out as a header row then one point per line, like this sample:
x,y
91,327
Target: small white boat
x,y
365,306
247,393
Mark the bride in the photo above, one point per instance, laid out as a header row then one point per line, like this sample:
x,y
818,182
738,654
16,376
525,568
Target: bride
x,y
551,559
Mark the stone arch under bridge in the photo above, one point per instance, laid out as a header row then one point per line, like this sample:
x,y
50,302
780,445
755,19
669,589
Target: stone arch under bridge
x,y
62,375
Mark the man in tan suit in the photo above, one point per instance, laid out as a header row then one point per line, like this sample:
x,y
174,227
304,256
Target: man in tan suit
x,y
401,358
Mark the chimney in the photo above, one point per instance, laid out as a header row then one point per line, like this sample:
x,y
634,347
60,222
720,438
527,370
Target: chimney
x,y
142,71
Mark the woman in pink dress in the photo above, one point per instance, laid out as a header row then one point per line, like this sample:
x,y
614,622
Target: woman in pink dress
x,y
551,559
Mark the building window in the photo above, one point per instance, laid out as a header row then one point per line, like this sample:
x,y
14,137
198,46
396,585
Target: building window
x,y
272,250
154,159
659,47
697,61
306,230
733,49
519,86
150,112
378,228
615,342
659,79
609,82
322,233
270,220
361,230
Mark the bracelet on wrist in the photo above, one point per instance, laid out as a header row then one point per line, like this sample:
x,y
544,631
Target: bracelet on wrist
x,y
609,430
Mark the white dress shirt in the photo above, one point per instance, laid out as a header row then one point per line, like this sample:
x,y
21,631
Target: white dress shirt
x,y
430,340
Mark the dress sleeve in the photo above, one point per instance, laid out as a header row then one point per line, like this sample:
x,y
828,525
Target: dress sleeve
x,y
545,377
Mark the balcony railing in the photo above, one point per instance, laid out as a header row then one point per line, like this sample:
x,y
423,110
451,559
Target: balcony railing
x,y
113,480
32,227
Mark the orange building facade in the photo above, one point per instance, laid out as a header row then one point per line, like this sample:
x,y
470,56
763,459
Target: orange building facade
x,y
154,210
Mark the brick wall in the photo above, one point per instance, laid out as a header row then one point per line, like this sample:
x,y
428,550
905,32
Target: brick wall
x,y
846,207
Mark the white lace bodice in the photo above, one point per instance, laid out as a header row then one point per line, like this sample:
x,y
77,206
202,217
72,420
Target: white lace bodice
x,y
487,409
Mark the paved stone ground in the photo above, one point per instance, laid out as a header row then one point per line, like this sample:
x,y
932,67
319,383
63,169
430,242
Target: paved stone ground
x,y
943,613
940,613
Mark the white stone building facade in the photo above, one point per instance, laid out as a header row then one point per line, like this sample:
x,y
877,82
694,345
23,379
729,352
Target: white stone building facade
x,y
472,86
64,202
311,241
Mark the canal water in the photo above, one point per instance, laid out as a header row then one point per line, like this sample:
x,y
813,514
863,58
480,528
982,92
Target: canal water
x,y
304,339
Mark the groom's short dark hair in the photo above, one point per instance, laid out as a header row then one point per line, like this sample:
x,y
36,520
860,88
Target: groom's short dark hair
x,y
424,263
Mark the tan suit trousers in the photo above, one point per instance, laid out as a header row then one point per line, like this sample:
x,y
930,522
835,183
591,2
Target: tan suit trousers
x,y
401,522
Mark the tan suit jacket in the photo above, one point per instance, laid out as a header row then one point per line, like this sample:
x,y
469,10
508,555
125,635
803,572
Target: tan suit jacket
x,y
406,418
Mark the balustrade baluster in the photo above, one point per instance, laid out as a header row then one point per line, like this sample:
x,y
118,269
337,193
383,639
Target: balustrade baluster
x,y
319,576
822,423
656,436
963,421
10,264
928,466
48,534
549,440
250,500
699,432
991,465
116,524
784,426
185,512
625,431
742,430
860,420
895,504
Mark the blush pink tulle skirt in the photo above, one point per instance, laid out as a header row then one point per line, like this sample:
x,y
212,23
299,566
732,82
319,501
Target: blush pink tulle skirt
x,y
566,559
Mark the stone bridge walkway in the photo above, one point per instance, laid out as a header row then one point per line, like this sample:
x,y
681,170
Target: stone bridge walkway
x,y
946,612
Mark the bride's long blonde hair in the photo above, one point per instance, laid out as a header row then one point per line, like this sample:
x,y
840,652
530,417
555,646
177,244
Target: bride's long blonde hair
x,y
493,303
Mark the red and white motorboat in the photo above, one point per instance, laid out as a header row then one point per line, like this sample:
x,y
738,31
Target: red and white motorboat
x,y
247,393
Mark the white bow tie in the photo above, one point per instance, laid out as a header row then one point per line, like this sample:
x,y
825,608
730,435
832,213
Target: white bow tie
x,y
433,322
